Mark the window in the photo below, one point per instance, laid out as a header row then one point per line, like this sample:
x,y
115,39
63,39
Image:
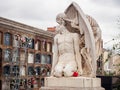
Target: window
x,y
42,81
15,55
30,57
16,40
1,35
0,54
43,59
30,43
22,70
6,70
7,39
7,55
5,84
37,45
48,59
49,47
43,45
15,70
0,61
36,82
14,84
37,70
22,57
30,70
37,58
23,84
43,71
30,82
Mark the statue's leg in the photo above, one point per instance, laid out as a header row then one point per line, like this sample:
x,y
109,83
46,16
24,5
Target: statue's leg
x,y
58,70
69,69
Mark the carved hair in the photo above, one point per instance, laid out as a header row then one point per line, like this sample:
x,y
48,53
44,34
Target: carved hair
x,y
61,15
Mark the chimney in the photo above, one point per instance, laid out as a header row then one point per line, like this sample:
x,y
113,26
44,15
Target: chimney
x,y
51,29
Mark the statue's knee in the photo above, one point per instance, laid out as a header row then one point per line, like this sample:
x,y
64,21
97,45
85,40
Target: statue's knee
x,y
68,72
58,72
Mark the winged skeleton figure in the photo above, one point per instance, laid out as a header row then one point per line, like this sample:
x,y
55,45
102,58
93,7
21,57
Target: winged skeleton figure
x,y
82,26
73,20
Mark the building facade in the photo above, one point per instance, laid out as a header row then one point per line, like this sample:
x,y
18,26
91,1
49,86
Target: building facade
x,y
25,55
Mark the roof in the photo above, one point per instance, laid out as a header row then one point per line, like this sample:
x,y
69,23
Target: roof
x,y
6,23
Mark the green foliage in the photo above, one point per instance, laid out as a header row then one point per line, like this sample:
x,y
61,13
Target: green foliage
x,y
109,73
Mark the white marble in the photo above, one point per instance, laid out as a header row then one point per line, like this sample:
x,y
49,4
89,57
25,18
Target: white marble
x,y
78,38
72,82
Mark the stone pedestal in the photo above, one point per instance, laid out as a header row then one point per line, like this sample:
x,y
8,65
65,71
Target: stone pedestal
x,y
70,88
72,83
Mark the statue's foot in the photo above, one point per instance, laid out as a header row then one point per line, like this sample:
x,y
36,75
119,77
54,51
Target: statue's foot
x,y
92,75
80,73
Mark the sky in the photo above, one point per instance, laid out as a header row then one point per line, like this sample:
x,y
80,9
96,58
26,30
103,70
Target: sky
x,y
42,13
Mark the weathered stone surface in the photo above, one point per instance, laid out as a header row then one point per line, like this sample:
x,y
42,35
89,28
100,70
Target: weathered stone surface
x,y
71,88
67,52
72,82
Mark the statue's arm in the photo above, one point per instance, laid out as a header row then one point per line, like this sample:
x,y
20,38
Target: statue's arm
x,y
55,55
77,53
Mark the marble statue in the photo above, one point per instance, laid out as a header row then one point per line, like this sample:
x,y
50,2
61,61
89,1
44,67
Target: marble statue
x,y
77,45
67,57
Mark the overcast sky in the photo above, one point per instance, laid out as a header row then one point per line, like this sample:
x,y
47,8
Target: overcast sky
x,y
42,13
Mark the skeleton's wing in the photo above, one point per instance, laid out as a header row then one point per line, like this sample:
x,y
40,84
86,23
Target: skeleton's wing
x,y
74,12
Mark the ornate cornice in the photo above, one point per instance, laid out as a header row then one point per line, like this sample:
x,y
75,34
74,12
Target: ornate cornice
x,y
13,25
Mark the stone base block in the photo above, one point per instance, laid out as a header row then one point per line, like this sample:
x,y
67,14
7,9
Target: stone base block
x,y
71,88
72,82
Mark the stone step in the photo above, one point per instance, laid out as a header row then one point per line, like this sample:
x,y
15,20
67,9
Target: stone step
x,y
71,88
72,82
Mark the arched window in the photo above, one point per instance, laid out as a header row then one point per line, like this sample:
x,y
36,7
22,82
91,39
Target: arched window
x,y
7,39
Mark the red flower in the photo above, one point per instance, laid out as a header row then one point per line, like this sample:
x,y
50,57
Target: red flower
x,y
75,74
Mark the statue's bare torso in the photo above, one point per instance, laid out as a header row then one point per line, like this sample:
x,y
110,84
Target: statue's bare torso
x,y
66,48
66,53
66,57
